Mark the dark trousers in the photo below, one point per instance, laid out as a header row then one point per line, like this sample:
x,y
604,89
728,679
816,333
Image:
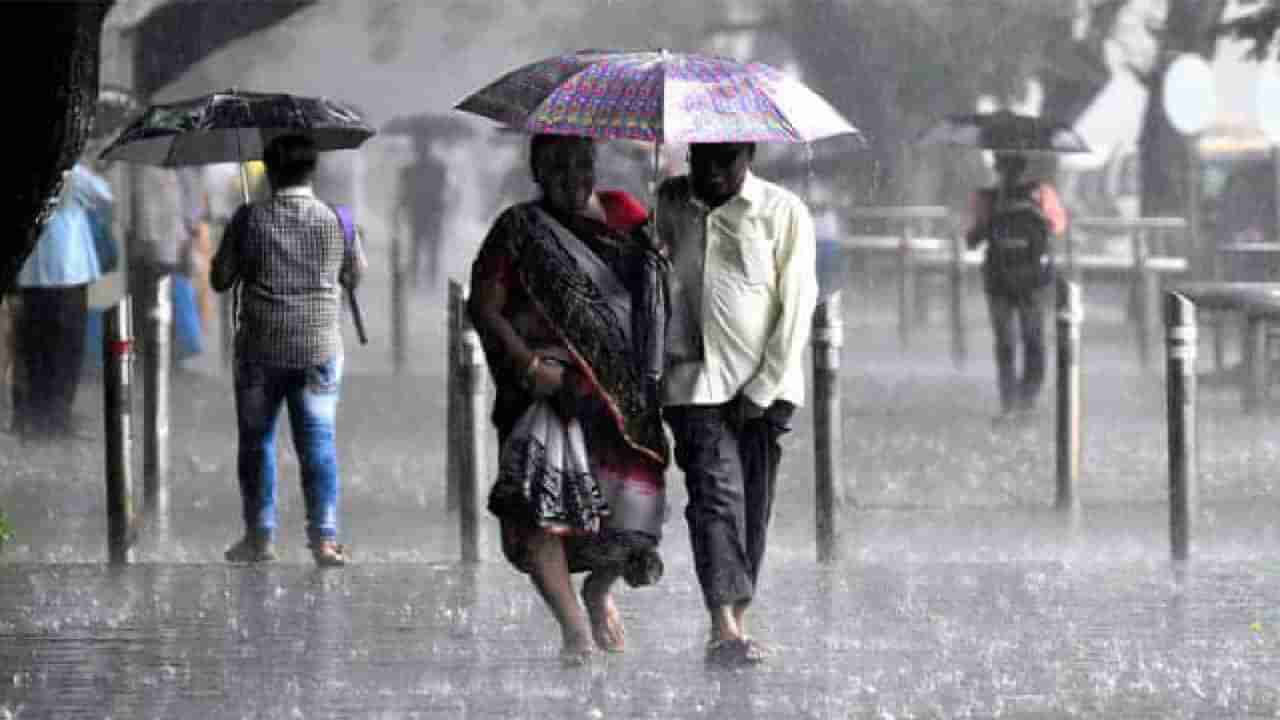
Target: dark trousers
x,y
1009,314
730,474
50,329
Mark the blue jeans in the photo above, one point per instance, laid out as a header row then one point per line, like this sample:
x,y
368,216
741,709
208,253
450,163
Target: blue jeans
x,y
311,394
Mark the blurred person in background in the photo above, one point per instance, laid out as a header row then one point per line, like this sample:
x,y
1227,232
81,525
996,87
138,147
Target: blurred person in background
x,y
423,185
568,296
191,295
75,248
1017,220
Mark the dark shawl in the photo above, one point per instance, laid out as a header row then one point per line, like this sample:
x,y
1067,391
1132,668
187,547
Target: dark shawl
x,y
622,364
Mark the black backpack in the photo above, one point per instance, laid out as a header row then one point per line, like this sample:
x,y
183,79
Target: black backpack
x,y
1019,258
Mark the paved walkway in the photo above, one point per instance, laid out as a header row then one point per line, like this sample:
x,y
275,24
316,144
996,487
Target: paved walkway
x,y
961,593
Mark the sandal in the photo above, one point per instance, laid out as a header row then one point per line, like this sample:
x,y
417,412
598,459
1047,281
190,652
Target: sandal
x,y
736,652
328,553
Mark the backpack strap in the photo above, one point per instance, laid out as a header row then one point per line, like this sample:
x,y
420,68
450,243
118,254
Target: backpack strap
x,y
347,219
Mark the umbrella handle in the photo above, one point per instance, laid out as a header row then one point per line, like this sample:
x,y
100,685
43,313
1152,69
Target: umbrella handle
x,y
653,190
244,175
357,316
244,179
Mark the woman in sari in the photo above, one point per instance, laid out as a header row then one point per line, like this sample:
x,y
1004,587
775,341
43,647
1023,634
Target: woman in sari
x,y
568,297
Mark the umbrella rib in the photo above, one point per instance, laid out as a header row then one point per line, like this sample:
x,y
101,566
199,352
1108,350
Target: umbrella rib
x,y
777,111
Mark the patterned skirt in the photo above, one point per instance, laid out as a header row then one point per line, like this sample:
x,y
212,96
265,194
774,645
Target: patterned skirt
x,y
610,515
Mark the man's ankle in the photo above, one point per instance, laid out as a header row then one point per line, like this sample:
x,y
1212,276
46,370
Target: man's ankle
x,y
724,626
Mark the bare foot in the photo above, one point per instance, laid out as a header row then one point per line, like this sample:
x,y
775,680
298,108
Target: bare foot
x,y
576,651
606,621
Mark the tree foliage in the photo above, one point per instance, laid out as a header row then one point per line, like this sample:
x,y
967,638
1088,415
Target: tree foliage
x,y
1189,26
6,534
1257,27
896,66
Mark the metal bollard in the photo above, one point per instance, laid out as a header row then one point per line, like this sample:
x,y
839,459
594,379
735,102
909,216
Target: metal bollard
x,y
1180,329
828,436
1253,387
1140,288
117,405
453,429
906,287
398,315
959,346
155,389
471,473
1073,268
1070,316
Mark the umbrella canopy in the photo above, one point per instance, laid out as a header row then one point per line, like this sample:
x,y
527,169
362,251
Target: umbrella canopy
x,y
1006,130
234,127
657,96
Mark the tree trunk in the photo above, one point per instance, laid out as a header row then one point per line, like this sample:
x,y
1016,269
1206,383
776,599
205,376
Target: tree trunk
x,y
56,72
1190,27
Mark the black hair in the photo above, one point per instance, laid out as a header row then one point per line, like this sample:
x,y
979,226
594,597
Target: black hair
x,y
290,160
727,146
542,142
1016,162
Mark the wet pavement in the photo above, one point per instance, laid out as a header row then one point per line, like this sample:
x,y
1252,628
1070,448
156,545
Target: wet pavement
x,y
961,593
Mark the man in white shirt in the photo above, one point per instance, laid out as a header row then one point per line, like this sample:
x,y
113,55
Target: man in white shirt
x,y
743,290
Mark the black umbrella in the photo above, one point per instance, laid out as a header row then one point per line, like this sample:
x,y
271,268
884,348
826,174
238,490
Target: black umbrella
x,y
1005,130
234,126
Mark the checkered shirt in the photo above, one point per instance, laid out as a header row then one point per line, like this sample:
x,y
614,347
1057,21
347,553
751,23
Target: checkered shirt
x,y
288,252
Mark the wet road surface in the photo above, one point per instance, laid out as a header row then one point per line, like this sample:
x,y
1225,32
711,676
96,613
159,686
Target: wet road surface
x,y
961,593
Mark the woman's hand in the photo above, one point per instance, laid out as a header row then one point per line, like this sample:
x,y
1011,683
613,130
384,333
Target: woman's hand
x,y
546,379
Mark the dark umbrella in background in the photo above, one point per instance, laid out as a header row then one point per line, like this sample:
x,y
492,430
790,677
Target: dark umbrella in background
x,y
1004,130
234,126
432,125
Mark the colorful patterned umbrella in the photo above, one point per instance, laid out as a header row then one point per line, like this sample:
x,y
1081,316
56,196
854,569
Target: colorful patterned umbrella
x,y
1005,130
658,97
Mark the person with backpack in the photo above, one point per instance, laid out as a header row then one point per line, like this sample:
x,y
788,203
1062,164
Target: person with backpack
x,y
290,256
1017,220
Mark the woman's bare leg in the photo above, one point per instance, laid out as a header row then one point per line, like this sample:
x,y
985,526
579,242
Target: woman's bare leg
x,y
606,622
550,572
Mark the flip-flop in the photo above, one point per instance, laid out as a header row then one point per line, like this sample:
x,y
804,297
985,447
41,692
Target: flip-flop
x,y
736,652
